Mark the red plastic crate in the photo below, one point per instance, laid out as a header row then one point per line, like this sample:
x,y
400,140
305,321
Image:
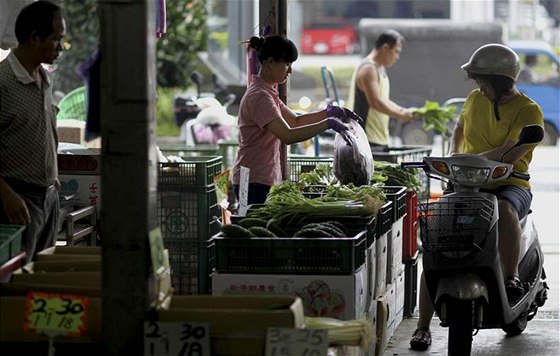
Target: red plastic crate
x,y
410,227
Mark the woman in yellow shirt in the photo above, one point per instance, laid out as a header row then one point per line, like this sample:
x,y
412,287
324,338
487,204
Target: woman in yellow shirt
x,y
489,125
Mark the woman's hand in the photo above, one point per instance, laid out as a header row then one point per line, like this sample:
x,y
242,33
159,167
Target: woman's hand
x,y
343,114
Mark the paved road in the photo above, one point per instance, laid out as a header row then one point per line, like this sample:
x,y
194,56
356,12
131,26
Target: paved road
x,y
542,336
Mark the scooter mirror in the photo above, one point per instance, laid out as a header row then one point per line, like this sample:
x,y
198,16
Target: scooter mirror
x,y
531,134
196,77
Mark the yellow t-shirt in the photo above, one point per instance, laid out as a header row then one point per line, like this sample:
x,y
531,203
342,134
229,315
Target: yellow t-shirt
x,y
377,123
483,132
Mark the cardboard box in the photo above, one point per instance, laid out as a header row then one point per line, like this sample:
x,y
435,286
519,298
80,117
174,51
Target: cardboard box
x,y
399,299
74,265
381,331
12,317
371,267
237,324
371,316
337,296
381,264
71,250
394,251
88,279
58,257
392,310
83,190
71,131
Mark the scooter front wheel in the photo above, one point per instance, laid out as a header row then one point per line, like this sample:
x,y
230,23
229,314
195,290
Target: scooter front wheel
x,y
461,325
516,327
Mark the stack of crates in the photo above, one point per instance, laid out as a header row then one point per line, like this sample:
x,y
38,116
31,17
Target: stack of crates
x,y
395,267
186,207
410,221
328,274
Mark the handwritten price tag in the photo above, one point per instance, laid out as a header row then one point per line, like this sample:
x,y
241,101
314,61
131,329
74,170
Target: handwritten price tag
x,y
296,342
56,314
176,339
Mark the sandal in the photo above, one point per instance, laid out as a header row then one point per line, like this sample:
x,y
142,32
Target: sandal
x,y
421,339
514,289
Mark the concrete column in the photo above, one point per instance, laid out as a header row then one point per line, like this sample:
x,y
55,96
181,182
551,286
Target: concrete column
x,y
129,168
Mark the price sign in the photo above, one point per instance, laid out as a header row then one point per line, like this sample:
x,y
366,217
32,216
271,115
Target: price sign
x,y
243,190
56,314
176,339
296,342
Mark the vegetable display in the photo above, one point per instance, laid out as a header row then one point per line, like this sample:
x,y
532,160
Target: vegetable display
x,y
286,203
389,173
436,117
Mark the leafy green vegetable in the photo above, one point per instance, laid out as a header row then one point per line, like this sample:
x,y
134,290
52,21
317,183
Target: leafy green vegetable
x,y
321,175
436,117
390,173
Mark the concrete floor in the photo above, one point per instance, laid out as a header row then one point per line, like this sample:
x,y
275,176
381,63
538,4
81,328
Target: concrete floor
x,y
540,338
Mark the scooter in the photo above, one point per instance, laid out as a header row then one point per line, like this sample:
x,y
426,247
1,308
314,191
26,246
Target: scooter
x,y
202,106
461,262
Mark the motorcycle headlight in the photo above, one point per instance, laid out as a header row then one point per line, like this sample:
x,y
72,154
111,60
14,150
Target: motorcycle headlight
x,y
470,175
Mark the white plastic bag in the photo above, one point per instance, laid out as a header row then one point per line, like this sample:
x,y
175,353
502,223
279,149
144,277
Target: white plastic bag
x,y
353,163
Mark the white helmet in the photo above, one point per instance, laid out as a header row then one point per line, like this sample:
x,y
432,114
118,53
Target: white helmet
x,y
494,59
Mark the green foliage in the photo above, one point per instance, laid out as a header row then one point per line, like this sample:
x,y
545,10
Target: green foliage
x,y
186,34
81,40
437,117
164,112
176,51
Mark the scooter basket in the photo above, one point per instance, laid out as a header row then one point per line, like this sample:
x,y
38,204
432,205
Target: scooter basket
x,y
455,225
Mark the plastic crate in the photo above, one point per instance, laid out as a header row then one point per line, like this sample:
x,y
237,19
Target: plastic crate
x,y
385,218
298,165
187,213
196,171
410,227
289,255
190,271
397,195
73,105
354,224
190,151
10,241
410,286
408,154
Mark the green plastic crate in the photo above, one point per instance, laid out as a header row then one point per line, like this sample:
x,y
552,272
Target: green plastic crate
x,y
196,171
300,164
187,213
73,105
10,241
397,195
289,255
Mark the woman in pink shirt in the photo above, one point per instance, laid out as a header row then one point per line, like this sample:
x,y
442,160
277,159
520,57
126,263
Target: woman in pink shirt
x,y
265,122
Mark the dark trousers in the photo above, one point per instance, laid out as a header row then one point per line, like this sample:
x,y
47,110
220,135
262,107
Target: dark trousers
x,y
256,194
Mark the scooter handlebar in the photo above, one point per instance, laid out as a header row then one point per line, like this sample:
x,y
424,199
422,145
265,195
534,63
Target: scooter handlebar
x,y
524,176
422,165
